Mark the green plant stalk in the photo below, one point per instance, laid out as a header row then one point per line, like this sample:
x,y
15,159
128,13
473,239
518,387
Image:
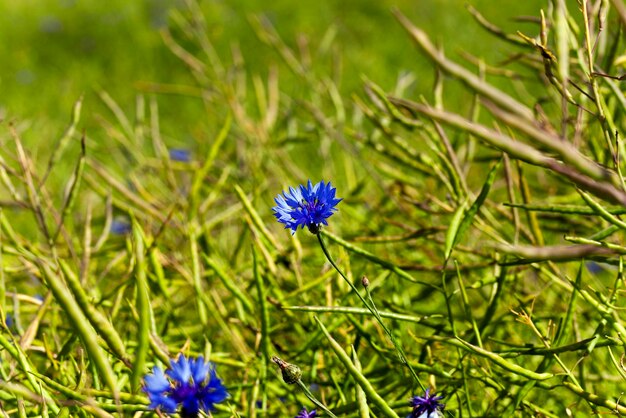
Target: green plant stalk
x,y
549,359
610,247
608,314
129,402
57,150
533,221
256,219
157,271
466,306
361,311
564,209
385,409
75,395
75,180
313,399
143,307
254,395
196,274
371,257
361,398
200,174
373,311
601,211
605,114
20,357
595,399
468,217
593,179
459,72
140,208
21,393
228,283
265,327
102,325
82,326
2,277
451,235
507,365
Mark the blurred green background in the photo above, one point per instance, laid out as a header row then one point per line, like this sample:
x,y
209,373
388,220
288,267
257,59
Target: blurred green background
x,y
52,51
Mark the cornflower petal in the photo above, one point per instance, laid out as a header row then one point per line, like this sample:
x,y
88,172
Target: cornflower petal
x,y
305,414
426,406
199,369
214,392
157,388
180,370
156,382
163,403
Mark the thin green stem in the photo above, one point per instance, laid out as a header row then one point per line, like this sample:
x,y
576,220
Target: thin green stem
x,y
313,399
372,308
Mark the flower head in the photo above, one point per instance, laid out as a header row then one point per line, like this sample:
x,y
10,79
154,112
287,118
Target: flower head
x,y
308,206
426,406
291,373
180,154
9,321
119,227
188,384
305,414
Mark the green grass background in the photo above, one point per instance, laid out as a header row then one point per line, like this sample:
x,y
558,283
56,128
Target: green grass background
x,y
54,51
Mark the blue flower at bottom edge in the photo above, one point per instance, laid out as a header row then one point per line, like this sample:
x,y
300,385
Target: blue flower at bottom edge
x,y
189,384
308,206
305,414
426,406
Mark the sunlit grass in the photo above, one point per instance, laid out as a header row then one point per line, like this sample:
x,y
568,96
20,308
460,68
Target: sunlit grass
x,y
477,251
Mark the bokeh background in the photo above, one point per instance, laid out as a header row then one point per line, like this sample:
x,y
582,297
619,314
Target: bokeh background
x,y
54,51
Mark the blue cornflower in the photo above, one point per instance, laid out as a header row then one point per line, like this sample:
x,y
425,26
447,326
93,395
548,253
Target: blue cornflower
x,y
308,206
180,154
305,414
9,321
427,406
120,227
190,384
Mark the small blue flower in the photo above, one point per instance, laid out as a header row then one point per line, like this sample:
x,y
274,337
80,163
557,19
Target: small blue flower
x,y
427,406
593,267
9,321
180,154
120,227
189,384
308,206
305,414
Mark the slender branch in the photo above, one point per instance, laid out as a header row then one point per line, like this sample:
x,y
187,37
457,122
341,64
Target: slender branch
x,y
373,311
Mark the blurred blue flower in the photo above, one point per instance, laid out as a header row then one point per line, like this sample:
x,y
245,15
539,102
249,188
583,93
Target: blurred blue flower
x,y
9,321
180,154
593,267
427,406
120,227
305,414
308,206
189,384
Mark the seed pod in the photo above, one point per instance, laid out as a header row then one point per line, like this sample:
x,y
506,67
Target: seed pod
x,y
291,372
365,282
